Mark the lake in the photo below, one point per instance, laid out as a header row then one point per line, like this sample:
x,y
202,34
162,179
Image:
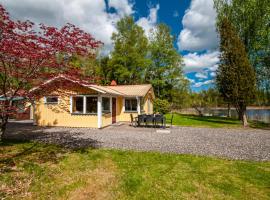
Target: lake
x,y
262,115
256,114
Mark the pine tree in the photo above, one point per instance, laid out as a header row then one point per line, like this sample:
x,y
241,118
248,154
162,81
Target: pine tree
x,y
235,76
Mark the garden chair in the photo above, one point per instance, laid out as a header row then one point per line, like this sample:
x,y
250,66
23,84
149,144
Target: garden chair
x,y
170,121
133,120
160,119
141,119
149,119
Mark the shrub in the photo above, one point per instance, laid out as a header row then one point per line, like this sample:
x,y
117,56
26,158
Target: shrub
x,y
161,106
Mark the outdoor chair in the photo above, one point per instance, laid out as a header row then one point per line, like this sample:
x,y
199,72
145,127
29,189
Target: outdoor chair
x,y
133,120
160,119
141,120
149,119
170,121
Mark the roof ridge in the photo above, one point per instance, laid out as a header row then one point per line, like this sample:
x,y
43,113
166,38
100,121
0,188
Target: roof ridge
x,y
117,91
111,89
127,85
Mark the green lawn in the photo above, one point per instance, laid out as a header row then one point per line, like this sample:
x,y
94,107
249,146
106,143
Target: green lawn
x,y
211,122
37,171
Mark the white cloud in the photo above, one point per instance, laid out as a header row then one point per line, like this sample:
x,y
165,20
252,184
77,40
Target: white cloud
x,y
123,7
199,84
198,62
199,32
201,75
213,74
213,68
149,22
89,15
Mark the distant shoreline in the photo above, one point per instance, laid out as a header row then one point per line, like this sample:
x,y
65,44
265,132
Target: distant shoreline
x,y
225,108
249,107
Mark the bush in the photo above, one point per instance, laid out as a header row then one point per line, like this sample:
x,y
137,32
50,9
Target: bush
x,y
161,106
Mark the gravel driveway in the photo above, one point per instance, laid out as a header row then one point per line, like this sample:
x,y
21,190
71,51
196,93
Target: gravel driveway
x,y
248,144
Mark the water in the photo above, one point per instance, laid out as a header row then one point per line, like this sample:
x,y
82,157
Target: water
x,y
262,115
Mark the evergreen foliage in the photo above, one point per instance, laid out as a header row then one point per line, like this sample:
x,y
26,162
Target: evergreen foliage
x,y
251,19
235,76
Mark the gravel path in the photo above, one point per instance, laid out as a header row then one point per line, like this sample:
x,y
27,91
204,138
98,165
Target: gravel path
x,y
247,144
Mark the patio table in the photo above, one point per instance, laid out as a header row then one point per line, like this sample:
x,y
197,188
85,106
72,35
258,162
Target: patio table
x,y
152,119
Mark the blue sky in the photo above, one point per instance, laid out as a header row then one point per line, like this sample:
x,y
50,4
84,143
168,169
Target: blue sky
x,y
192,23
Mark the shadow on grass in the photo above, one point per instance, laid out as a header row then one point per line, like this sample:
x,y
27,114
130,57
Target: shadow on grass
x,y
259,125
7,159
40,144
68,138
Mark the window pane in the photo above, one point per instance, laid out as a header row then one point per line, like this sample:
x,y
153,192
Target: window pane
x,y
134,104
127,105
51,99
78,104
106,104
130,104
91,104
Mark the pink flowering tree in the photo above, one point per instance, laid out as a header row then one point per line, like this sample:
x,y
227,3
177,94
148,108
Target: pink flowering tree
x,y
30,54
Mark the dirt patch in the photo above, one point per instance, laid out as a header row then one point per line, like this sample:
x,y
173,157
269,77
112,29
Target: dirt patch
x,y
19,187
100,183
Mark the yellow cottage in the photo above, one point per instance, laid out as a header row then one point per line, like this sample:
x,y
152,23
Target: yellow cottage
x,y
71,103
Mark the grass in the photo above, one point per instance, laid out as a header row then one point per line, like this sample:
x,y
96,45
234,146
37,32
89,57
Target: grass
x,y
212,122
38,171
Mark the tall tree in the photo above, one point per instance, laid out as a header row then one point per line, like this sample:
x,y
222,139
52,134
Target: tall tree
x,y
251,19
128,59
165,71
105,71
86,64
235,76
28,58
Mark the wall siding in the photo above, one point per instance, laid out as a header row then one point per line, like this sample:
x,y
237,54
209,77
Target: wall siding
x,y
59,115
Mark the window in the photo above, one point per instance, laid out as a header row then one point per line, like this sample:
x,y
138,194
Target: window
x,y
130,105
51,100
77,105
84,105
91,104
105,104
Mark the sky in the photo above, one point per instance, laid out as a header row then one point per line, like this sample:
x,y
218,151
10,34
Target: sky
x,y
192,22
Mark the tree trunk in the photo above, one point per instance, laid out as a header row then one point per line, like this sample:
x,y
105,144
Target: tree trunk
x,y
244,119
229,114
240,114
243,114
198,110
3,127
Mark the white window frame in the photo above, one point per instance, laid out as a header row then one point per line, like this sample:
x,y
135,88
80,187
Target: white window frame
x,y
110,106
124,104
84,105
53,103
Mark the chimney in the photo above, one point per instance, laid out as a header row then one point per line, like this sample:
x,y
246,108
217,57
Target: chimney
x,y
113,83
